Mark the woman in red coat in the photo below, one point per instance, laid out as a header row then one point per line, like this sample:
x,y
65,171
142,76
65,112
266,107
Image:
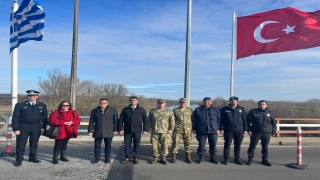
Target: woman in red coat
x,y
68,120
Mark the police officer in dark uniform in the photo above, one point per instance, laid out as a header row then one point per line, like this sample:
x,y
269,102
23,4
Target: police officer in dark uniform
x,y
261,125
206,124
28,121
233,126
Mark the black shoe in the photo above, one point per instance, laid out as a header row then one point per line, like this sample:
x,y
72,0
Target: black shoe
x,y
213,160
238,161
226,161
107,160
250,161
35,160
18,163
63,158
95,161
265,162
201,157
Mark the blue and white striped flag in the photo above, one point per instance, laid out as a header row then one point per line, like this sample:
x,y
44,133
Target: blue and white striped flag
x,y
27,23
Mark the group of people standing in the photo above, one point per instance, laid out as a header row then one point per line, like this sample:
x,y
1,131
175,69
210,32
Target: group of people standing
x,y
30,118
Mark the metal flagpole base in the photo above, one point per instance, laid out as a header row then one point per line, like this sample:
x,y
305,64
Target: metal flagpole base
x,y
296,166
8,154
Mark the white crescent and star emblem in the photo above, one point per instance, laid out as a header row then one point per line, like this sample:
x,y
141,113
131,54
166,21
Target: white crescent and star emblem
x,y
257,31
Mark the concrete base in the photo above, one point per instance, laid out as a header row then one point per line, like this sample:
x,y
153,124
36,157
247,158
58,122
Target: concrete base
x,y
295,166
5,154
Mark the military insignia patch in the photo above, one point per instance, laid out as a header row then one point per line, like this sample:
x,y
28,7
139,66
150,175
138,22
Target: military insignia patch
x,y
240,111
268,115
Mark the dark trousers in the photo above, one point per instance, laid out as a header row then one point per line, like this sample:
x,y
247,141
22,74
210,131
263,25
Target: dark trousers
x,y
128,138
237,137
31,131
212,139
60,144
107,148
254,139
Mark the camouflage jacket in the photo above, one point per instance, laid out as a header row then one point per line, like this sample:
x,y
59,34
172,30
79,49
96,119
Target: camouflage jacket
x,y
183,120
161,121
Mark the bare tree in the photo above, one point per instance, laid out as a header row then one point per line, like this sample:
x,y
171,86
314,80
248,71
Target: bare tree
x,y
55,87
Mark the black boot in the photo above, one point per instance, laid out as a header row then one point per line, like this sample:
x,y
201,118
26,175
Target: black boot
x,y
265,162
55,158
237,160
250,161
201,157
188,158
164,160
174,158
63,155
213,159
155,160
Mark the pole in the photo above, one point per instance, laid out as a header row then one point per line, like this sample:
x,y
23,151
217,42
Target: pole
x,y
73,78
14,67
233,53
14,91
188,55
298,164
299,147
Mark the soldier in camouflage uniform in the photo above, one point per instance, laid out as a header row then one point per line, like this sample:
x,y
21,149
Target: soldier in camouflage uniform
x,y
161,123
182,130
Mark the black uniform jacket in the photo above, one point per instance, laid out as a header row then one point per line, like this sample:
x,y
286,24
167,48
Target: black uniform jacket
x,y
233,119
133,121
206,120
25,113
103,125
261,121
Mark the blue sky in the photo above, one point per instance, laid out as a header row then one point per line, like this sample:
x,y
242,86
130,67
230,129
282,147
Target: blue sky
x,y
141,44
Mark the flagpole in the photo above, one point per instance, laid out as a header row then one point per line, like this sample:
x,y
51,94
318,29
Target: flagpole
x,y
14,67
73,78
233,52
188,55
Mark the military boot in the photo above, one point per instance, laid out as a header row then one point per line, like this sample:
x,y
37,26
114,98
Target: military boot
x,y
164,160
155,160
265,162
188,158
174,158
201,157
250,161
213,159
55,157
237,160
63,156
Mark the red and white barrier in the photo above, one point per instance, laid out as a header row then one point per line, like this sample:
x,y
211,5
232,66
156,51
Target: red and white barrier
x,y
298,164
8,151
299,146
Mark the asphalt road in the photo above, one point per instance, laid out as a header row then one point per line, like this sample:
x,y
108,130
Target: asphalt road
x,y
81,155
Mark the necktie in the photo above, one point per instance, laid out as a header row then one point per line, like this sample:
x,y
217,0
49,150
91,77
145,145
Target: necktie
x,y
32,104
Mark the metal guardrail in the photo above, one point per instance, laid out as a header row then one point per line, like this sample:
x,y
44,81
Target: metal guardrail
x,y
3,130
279,131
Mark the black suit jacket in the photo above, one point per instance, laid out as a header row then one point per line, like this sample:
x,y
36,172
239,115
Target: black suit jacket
x,y
133,121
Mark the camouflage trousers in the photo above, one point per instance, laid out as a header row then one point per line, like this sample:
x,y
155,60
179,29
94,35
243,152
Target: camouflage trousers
x,y
176,137
160,138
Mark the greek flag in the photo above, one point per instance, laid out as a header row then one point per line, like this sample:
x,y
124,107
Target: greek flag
x,y
27,23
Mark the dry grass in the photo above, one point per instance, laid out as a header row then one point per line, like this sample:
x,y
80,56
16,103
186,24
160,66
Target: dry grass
x,y
5,109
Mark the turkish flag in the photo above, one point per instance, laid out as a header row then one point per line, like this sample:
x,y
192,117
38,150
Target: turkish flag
x,y
278,30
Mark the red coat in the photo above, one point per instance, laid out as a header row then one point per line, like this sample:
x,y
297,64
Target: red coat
x,y
58,119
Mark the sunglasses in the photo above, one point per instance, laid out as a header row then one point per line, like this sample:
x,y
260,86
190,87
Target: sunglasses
x,y
67,105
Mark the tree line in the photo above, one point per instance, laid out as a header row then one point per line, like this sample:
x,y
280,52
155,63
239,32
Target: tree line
x,y
55,87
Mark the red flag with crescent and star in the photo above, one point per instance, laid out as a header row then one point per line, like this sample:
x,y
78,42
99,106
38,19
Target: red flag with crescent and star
x,y
278,30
